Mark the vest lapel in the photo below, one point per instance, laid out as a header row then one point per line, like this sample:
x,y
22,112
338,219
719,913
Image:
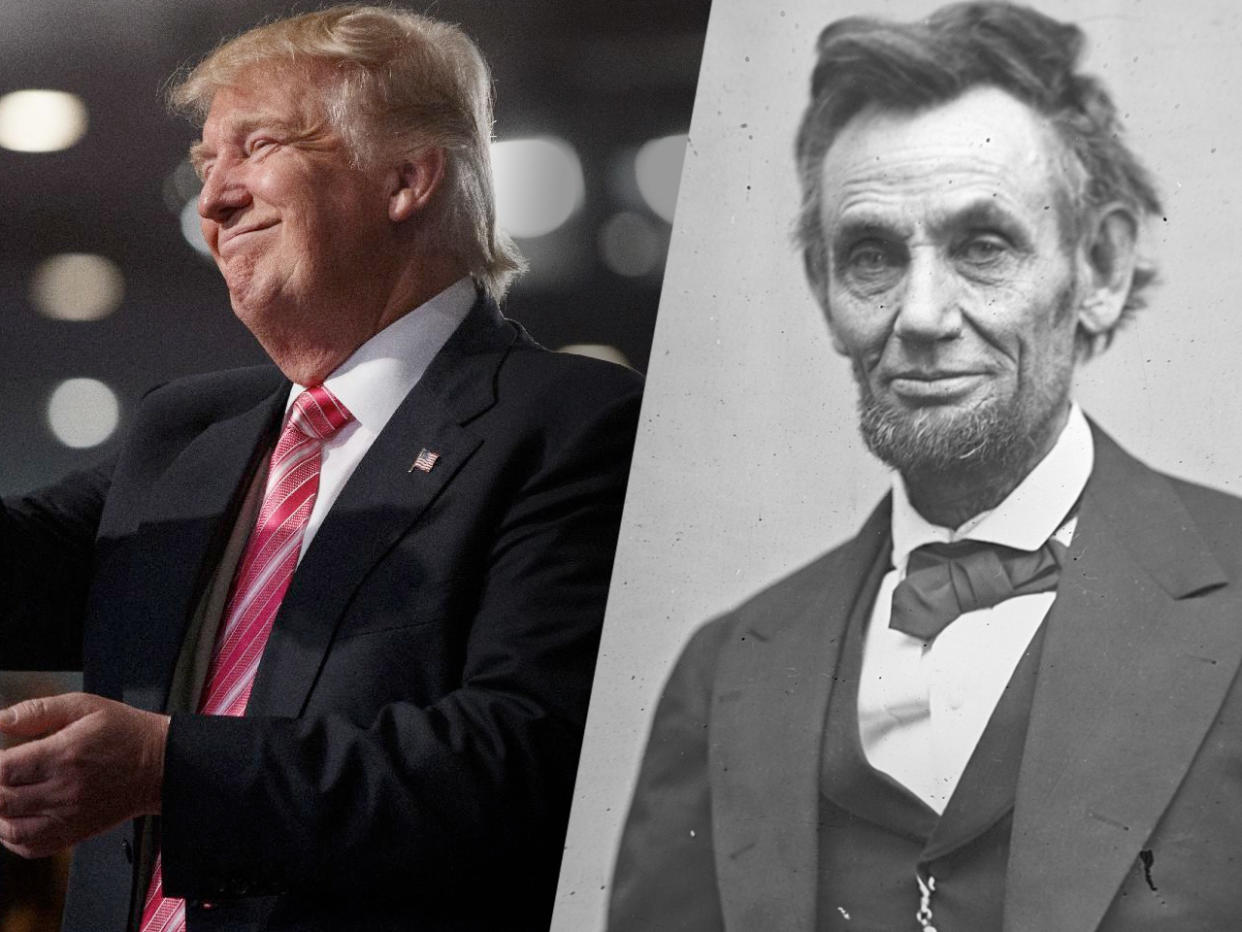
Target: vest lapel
x,y
771,693
983,799
985,793
846,776
1132,675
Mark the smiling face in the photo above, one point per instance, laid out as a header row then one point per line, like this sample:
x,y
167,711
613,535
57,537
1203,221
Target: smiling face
x,y
300,234
950,282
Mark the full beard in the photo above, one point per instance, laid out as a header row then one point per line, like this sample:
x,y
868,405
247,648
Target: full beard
x,y
996,441
993,437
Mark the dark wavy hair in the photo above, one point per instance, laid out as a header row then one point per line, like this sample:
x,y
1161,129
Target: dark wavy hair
x,y
912,66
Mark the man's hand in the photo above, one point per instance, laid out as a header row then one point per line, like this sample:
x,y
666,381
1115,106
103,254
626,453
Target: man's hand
x,y
93,764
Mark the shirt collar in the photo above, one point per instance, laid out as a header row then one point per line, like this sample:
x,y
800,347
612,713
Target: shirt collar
x,y
374,381
1029,515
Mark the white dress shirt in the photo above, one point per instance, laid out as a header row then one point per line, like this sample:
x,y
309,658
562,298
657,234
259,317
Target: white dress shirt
x,y
374,381
922,707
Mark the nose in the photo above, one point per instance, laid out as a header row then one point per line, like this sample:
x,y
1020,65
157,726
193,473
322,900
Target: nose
x,y
929,308
223,192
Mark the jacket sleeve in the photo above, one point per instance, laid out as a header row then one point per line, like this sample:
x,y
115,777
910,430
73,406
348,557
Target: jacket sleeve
x,y
47,541
665,877
427,798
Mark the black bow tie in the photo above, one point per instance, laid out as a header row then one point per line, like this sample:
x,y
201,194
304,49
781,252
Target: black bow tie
x,y
946,580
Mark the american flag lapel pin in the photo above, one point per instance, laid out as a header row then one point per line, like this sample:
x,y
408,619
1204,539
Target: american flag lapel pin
x,y
425,460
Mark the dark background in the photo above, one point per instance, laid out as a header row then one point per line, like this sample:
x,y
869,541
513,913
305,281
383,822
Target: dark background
x,y
605,76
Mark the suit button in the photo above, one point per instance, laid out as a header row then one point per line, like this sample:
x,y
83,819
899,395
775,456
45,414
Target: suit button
x,y
128,849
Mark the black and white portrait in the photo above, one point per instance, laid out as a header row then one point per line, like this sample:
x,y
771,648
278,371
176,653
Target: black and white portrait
x,y
939,430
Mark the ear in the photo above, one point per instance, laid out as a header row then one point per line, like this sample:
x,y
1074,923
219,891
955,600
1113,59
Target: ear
x,y
415,181
1109,252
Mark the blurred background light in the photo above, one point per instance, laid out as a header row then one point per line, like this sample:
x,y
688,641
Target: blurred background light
x,y
83,412
580,88
192,228
539,184
630,245
657,168
180,185
77,286
597,351
41,120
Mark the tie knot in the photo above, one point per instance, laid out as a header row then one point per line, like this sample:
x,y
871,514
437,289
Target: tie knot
x,y
944,581
975,553
318,414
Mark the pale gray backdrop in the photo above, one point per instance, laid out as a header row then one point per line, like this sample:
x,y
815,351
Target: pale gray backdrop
x,y
748,462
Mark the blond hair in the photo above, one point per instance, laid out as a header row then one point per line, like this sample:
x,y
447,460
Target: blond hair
x,y
402,82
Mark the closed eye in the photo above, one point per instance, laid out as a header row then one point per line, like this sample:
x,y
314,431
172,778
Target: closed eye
x,y
258,145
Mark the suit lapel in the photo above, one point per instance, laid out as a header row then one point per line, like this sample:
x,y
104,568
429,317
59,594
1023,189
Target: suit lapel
x,y
382,499
182,523
1134,669
771,695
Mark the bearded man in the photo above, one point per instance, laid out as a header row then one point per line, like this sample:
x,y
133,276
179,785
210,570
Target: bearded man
x,y
1010,702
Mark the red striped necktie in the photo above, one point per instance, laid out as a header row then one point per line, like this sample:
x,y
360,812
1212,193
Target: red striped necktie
x,y
262,577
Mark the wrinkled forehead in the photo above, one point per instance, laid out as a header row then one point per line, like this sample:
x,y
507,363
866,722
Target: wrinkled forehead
x,y
984,123
984,143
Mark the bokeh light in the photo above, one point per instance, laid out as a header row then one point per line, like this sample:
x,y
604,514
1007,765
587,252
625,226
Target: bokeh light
x,y
539,184
597,351
630,245
83,412
77,286
41,120
657,167
192,228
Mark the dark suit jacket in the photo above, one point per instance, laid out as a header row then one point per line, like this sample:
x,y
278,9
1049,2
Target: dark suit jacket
x,y
1129,802
407,756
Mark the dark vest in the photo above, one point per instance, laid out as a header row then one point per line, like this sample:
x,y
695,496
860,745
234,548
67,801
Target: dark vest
x,y
874,834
